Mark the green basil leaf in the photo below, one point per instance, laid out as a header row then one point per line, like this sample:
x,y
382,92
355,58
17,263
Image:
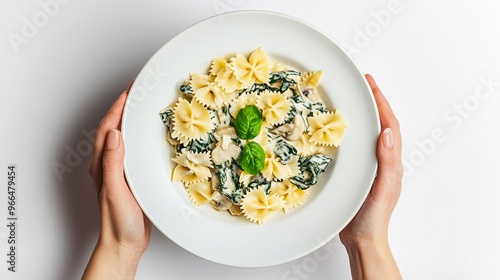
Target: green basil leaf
x,y
252,158
248,122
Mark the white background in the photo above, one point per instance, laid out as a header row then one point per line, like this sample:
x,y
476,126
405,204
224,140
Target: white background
x,y
429,59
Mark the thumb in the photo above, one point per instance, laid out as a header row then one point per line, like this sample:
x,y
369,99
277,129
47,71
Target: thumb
x,y
387,162
112,161
387,184
385,150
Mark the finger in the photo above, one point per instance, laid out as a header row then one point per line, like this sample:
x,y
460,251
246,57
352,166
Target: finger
x,y
386,155
127,90
112,161
389,172
110,121
387,117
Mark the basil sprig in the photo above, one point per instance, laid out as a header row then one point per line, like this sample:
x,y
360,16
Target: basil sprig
x,y
252,158
248,122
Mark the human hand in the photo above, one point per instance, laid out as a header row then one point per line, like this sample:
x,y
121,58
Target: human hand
x,y
367,234
125,230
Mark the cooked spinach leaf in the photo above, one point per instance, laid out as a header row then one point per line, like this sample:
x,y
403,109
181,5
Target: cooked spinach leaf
x,y
229,186
284,151
186,89
310,168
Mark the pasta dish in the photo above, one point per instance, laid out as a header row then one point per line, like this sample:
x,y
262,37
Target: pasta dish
x,y
251,135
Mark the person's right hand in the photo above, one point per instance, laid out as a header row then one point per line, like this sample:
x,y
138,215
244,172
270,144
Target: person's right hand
x,y
366,236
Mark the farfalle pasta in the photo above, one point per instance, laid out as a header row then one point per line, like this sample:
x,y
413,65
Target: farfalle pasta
x,y
257,205
191,167
275,107
200,193
292,195
251,135
327,128
254,70
275,169
224,75
241,102
190,120
304,147
206,91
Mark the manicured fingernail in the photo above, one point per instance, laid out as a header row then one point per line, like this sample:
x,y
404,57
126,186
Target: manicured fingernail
x,y
388,138
130,85
112,139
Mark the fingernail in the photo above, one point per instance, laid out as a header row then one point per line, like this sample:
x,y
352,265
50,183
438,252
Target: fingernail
x,y
112,139
388,138
130,85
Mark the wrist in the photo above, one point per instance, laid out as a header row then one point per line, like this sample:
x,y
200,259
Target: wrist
x,y
372,259
112,261
120,252
366,244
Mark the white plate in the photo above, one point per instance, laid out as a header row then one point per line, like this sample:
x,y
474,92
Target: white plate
x,y
217,236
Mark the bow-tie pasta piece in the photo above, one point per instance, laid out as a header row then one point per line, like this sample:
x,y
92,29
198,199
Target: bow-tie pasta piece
x,y
274,169
274,106
191,167
224,76
254,70
207,92
327,129
191,120
257,206
200,193
292,195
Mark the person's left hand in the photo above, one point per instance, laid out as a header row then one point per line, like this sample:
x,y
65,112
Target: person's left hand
x,y
125,230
